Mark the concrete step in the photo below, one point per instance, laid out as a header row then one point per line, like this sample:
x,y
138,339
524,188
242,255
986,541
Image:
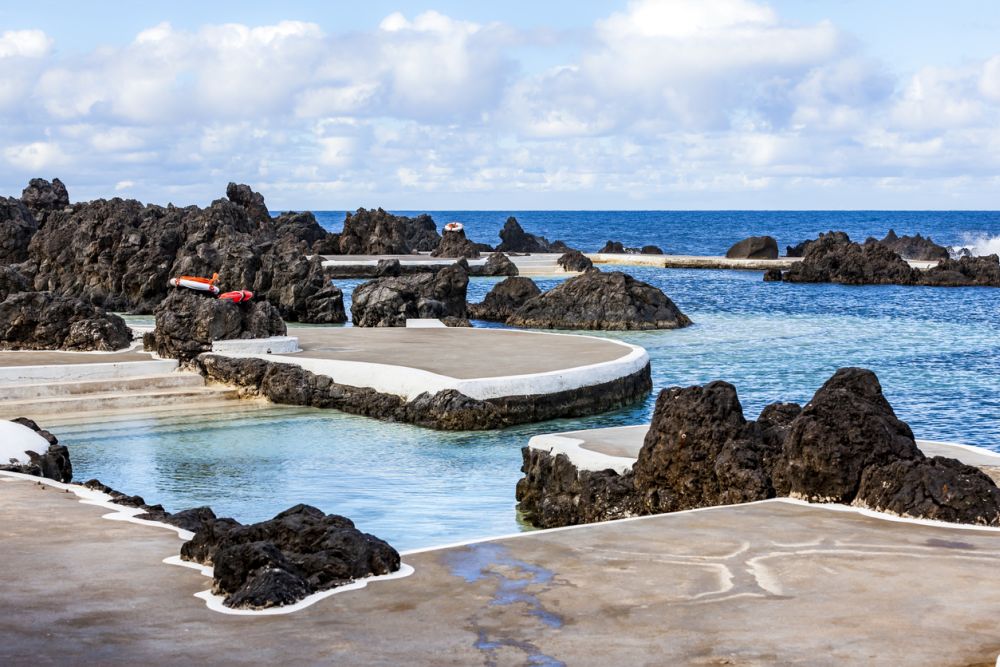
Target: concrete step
x,y
196,397
10,375
41,390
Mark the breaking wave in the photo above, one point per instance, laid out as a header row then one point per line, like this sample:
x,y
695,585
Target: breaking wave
x,y
977,244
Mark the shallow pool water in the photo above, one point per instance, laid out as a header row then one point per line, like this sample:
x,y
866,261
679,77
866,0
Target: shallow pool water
x,y
936,351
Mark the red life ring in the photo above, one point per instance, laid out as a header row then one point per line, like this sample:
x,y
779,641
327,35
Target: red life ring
x,y
454,227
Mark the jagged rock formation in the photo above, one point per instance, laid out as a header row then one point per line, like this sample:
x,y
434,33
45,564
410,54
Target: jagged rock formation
x,y
497,264
187,322
47,321
17,226
596,300
375,232
617,248
455,244
119,254
799,250
754,247
11,282
912,247
846,446
278,562
41,196
504,299
389,302
575,261
513,238
982,271
53,462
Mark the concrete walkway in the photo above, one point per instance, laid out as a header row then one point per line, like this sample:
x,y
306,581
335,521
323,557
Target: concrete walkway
x,y
762,584
534,265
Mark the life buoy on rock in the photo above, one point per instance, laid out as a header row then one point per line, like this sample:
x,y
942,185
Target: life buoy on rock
x,y
454,227
196,283
239,296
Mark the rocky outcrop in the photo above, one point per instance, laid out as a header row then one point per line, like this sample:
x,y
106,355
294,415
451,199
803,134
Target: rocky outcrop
x,y
754,247
513,238
601,301
389,302
52,463
11,282
41,196
455,244
912,247
574,261
445,410
278,562
982,271
251,202
504,299
497,264
187,323
17,226
799,250
846,446
617,248
375,232
47,321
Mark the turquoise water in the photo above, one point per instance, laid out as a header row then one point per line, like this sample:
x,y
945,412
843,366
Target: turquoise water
x,y
936,351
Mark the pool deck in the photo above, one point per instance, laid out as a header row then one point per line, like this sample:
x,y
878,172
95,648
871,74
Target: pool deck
x,y
618,447
776,582
481,363
534,265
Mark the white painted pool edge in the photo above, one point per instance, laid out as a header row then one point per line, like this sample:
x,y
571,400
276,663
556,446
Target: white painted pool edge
x,y
81,372
411,382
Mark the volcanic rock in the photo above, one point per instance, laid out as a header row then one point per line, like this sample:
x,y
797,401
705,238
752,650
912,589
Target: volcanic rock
x,y
375,232
454,244
831,259
514,239
17,226
575,261
252,202
187,323
754,247
617,248
772,276
913,247
982,271
497,264
52,463
504,299
277,562
11,282
389,302
47,321
800,249
40,195
603,301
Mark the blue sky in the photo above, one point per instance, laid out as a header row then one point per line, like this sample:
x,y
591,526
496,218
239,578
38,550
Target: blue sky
x,y
647,104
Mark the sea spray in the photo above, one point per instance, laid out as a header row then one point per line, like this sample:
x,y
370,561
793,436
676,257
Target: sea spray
x,y
977,245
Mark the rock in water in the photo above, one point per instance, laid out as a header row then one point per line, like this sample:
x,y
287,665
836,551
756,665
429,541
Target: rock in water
x,y
601,301
278,562
755,247
913,247
41,196
376,232
187,323
50,460
504,299
983,271
47,321
513,238
497,264
17,226
575,261
454,244
847,427
832,259
389,302
799,250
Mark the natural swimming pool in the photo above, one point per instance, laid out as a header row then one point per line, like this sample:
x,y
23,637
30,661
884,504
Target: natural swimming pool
x,y
935,351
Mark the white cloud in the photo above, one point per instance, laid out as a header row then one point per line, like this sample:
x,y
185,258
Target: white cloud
x,y
121,186
35,156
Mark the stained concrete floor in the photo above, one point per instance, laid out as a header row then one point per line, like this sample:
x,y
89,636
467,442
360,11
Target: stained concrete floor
x,y
54,357
457,352
762,584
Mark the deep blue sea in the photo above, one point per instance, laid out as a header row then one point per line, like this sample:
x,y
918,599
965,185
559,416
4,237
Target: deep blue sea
x,y
711,232
935,350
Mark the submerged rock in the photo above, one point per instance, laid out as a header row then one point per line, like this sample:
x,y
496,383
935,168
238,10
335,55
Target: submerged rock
x,y
50,461
278,562
596,300
47,321
187,323
617,248
455,244
913,247
513,238
575,261
375,232
754,247
504,299
389,302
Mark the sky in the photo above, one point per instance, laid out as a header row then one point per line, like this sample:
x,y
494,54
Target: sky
x,y
648,104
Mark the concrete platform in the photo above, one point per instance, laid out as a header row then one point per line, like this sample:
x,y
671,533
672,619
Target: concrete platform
x,y
537,264
49,357
710,262
769,583
481,363
618,447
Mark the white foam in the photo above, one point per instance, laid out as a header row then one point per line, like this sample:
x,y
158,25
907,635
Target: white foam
x,y
16,440
979,245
